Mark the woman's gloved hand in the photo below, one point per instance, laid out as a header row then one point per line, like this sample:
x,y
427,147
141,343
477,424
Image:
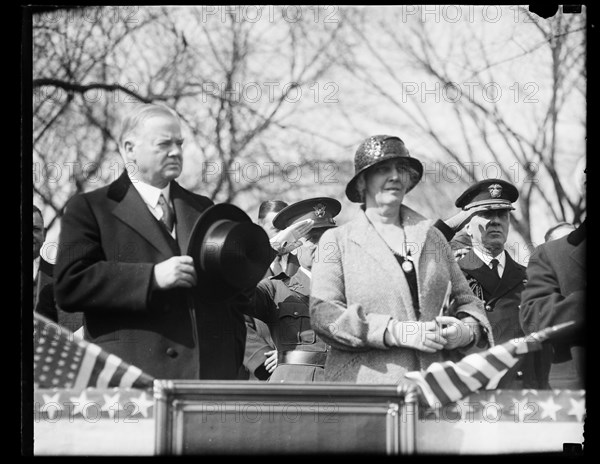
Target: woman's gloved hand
x,y
423,336
458,332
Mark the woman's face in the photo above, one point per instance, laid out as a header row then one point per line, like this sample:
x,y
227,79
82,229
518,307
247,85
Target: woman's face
x,y
386,183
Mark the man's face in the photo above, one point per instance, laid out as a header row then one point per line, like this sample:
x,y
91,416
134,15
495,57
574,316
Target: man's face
x,y
489,229
306,252
38,233
267,224
155,147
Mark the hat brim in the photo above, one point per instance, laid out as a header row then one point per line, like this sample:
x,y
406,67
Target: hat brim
x,y
489,207
353,195
253,254
284,217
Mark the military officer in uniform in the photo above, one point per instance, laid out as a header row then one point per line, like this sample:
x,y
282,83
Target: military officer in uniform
x,y
492,274
286,262
283,302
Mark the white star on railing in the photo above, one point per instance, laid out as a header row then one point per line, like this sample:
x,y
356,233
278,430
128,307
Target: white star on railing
x,y
549,408
109,403
56,406
142,403
80,402
577,409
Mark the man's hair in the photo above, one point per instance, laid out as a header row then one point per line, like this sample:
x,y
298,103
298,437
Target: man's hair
x,y
270,206
140,114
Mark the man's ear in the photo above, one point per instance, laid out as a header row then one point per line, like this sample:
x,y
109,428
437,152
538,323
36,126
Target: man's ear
x,y
127,150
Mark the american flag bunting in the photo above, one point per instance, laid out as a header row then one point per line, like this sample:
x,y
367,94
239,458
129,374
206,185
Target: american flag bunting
x,y
62,361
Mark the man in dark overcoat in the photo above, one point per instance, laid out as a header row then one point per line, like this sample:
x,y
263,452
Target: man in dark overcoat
x,y
556,293
121,262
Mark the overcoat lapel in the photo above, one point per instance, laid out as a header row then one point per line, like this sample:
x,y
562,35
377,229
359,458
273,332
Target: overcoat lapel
x,y
132,210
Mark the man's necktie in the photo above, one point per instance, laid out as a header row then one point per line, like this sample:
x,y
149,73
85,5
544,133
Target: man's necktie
x,y
494,263
167,217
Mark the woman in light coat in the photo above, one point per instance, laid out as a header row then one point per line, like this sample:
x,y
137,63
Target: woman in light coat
x,y
387,293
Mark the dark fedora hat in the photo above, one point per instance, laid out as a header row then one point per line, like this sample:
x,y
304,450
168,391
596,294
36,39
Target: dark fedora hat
x,y
374,150
231,253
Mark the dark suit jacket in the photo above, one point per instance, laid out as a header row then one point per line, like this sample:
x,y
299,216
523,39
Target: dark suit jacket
x,y
555,293
502,307
109,244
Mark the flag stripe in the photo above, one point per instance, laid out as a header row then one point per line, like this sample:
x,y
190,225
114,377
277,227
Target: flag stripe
x,y
118,375
130,376
417,376
143,381
506,353
496,363
63,361
449,381
91,352
450,389
457,380
481,364
473,373
98,365
441,372
494,381
437,389
105,377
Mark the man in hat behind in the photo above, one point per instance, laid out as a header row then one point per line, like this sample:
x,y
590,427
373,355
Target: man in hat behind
x,y
491,273
283,302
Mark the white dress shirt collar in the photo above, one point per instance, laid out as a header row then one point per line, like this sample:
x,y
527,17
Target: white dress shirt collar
x,y
150,194
487,259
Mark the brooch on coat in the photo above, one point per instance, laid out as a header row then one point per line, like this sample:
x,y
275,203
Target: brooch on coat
x,y
407,264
